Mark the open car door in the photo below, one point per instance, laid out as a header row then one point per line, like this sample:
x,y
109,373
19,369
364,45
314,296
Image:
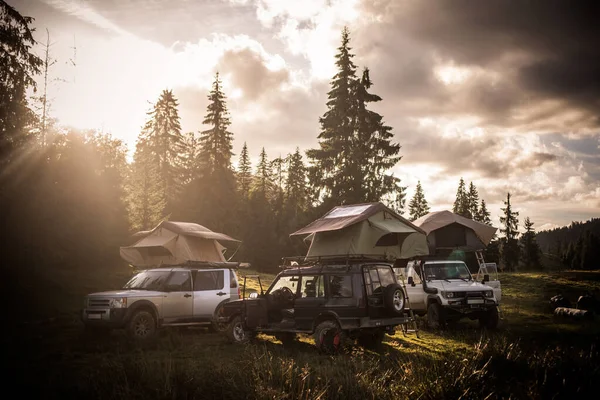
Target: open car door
x,y
491,269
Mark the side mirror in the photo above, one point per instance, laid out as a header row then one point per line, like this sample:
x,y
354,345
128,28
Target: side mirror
x,y
486,278
411,281
253,295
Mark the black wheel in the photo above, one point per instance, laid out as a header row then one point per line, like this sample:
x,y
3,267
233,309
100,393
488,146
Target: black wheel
x,y
142,325
393,299
371,339
435,316
490,319
215,325
329,337
286,338
237,333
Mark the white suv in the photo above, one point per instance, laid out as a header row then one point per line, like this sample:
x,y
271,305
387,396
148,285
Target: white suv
x,y
171,296
444,290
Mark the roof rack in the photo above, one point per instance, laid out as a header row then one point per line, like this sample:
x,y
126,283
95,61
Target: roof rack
x,y
346,259
201,264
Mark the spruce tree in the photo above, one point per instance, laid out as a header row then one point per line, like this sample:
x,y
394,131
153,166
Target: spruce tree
x,y
296,187
332,163
374,152
190,158
263,182
483,215
418,205
473,199
461,204
162,135
530,250
18,68
216,142
510,247
146,198
244,173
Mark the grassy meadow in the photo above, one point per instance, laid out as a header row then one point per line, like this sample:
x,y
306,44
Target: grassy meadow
x,y
532,355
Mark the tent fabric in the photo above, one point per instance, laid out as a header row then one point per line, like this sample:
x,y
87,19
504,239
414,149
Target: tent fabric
x,y
173,243
446,229
359,229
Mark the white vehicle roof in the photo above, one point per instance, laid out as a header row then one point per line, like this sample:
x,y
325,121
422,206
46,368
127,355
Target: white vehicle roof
x,y
444,262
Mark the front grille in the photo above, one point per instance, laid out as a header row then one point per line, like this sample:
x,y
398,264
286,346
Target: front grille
x,y
474,294
98,303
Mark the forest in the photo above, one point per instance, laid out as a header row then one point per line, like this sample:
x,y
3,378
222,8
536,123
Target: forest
x,y
70,198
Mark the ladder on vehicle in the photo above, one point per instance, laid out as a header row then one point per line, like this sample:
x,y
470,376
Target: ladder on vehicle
x,y
481,262
412,321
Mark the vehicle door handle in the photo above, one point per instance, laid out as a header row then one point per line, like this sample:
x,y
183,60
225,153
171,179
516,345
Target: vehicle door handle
x,y
221,294
187,295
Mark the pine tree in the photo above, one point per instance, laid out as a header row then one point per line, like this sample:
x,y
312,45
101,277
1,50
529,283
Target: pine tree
x,y
296,189
473,199
263,183
510,247
530,251
332,163
146,197
483,215
190,158
244,174
374,152
216,142
162,134
418,205
461,204
17,70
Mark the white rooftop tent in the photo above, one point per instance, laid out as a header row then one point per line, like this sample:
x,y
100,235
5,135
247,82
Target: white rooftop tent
x,y
446,230
370,229
173,243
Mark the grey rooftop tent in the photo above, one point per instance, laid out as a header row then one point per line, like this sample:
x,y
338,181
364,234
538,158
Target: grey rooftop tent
x,y
370,229
175,243
446,230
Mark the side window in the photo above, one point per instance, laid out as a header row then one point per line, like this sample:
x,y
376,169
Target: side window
x,y
209,280
386,276
180,281
340,285
312,286
375,283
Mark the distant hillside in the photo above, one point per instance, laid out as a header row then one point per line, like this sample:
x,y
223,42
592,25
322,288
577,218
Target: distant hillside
x,y
556,240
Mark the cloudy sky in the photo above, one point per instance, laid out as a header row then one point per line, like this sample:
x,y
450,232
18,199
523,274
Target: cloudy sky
x,y
505,94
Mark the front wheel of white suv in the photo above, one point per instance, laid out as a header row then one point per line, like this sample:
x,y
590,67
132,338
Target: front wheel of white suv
x,y
435,316
490,319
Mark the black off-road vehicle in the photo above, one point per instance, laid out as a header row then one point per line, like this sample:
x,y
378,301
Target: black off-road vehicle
x,y
333,299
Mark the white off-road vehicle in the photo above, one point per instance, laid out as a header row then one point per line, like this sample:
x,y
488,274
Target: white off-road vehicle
x,y
185,295
445,291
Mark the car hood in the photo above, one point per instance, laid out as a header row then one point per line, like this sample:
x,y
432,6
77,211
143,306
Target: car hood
x,y
459,286
127,293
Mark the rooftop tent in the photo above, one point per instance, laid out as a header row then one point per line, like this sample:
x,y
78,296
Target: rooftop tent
x,y
364,229
446,230
175,243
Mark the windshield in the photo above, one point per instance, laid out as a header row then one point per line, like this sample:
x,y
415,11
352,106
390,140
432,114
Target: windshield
x,y
148,280
447,271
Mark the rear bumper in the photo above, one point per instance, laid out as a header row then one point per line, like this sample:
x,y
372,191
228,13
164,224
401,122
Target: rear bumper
x,y
107,317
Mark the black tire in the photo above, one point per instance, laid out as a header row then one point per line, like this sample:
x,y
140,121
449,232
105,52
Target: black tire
x,y
490,319
237,333
435,316
142,326
215,326
371,340
329,337
393,299
286,338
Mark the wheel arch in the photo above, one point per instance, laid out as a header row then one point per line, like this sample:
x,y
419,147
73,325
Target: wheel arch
x,y
325,316
145,305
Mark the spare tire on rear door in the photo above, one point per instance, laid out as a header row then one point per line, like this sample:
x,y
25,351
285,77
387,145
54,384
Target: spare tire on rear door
x,y
393,299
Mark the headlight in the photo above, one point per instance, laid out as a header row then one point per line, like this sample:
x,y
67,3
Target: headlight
x,y
489,293
120,302
448,295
